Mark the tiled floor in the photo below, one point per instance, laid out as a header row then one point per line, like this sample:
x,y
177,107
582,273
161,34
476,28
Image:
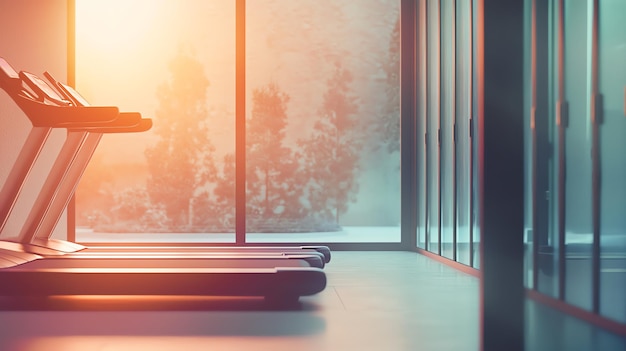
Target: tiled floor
x,y
374,301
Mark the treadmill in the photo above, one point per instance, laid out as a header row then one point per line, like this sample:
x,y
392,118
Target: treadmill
x,y
34,264
67,170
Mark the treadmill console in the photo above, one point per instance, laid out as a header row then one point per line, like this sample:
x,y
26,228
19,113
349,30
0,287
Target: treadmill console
x,y
71,92
67,91
42,90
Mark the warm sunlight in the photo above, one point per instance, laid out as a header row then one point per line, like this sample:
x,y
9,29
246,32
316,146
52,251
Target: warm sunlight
x,y
116,25
174,61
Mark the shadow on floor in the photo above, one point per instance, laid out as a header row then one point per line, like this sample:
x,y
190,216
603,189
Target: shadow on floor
x,y
156,316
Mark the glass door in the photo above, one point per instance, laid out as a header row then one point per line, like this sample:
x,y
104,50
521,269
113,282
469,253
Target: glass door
x,y
322,121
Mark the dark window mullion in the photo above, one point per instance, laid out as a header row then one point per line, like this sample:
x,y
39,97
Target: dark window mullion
x,y
439,148
426,126
408,123
421,116
240,122
533,116
454,139
71,81
470,161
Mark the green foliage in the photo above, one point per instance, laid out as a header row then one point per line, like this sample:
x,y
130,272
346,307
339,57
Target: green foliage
x,y
272,188
330,156
95,196
182,159
390,119
131,203
224,191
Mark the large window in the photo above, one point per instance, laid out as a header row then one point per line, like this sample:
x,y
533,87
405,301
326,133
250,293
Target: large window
x,y
322,120
322,131
173,61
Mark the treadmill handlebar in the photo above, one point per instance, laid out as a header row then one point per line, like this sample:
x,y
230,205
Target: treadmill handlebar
x,y
127,122
60,106
42,114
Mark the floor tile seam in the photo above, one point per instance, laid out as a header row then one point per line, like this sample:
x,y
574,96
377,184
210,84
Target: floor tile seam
x,y
339,297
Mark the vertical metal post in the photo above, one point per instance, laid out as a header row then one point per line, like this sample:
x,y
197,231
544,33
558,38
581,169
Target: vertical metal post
x,y
500,78
71,81
470,87
533,132
454,134
596,120
561,122
240,122
408,123
438,136
61,190
427,154
423,106
41,211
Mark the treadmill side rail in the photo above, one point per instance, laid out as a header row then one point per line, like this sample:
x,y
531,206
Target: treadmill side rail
x,y
289,282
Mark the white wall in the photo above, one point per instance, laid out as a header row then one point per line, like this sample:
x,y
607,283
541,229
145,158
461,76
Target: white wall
x,y
33,38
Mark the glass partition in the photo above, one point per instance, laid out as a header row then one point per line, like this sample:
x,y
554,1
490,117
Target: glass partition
x,y
448,124
612,86
578,228
544,154
433,165
173,61
322,124
528,145
463,113
421,114
475,132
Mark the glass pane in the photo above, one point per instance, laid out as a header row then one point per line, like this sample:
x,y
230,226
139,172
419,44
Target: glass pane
x,y
528,151
476,191
612,81
174,62
578,229
545,201
448,100
432,140
463,147
421,114
322,132
551,151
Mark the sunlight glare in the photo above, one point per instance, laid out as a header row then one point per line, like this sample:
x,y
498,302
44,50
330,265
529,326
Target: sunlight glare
x,y
116,25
